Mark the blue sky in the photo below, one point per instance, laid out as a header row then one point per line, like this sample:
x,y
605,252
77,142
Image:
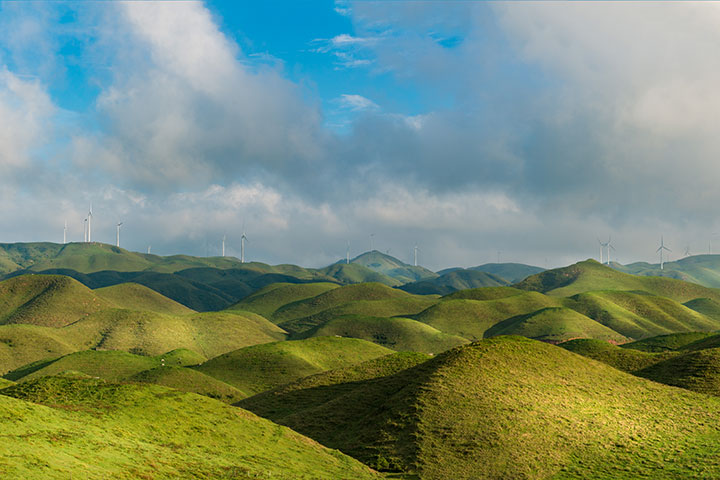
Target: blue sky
x,y
467,128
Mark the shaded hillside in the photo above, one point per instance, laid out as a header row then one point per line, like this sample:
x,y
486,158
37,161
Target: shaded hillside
x,y
625,359
698,371
669,343
357,273
508,408
512,272
399,334
392,267
454,281
262,367
133,296
74,428
700,269
267,300
592,276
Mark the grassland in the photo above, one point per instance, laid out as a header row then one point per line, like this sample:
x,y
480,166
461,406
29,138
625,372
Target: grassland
x,y
399,334
59,428
262,367
267,300
625,359
133,296
508,407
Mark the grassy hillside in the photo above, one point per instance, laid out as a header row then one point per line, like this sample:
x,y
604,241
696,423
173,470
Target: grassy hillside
x,y
400,334
392,267
698,371
267,300
209,334
554,324
512,272
22,344
638,315
709,308
133,296
453,281
91,429
47,300
509,408
262,367
335,297
700,269
356,273
625,359
590,276
668,343
472,318
189,380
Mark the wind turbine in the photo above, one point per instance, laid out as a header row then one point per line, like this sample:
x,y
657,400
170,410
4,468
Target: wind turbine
x,y
89,229
660,249
223,246
85,230
149,246
65,233
347,253
243,238
602,245
117,237
687,251
415,250
609,246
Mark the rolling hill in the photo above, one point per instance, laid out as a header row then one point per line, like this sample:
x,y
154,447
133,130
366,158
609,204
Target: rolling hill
x,y
133,296
262,367
391,267
87,428
453,281
507,407
267,300
701,269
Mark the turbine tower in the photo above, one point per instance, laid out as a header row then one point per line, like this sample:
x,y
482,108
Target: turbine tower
x,y
687,251
85,230
609,246
660,249
602,246
223,246
149,246
243,238
117,237
89,229
65,233
415,250
347,253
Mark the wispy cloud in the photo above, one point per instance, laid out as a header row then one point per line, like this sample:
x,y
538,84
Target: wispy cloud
x,y
349,51
356,103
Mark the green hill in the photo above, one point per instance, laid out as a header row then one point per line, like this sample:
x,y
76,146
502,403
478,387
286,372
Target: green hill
x,y
133,296
262,367
509,407
639,315
267,300
668,343
356,273
189,380
22,344
554,324
73,428
590,276
335,297
454,281
47,300
700,269
709,308
209,334
400,334
486,293
625,359
392,267
698,371
472,318
512,272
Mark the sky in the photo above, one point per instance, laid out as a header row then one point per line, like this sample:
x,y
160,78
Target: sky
x,y
478,131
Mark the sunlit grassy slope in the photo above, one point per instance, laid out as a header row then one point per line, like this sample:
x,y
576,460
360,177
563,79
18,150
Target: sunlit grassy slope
x,y
262,367
400,334
189,380
625,359
509,407
267,300
460,279
669,343
60,428
133,296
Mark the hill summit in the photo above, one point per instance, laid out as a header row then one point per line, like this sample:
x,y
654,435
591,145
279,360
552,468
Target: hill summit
x,y
392,267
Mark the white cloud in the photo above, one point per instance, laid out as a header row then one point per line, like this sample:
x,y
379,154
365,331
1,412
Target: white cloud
x,y
356,103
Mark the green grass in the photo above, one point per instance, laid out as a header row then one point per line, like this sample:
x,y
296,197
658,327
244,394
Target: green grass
x,y
509,407
512,272
391,267
453,281
355,273
267,300
62,428
554,324
399,334
625,359
698,371
262,367
638,315
47,300
472,318
392,307
22,344
591,276
708,307
700,269
334,298
133,296
668,343
189,380
487,293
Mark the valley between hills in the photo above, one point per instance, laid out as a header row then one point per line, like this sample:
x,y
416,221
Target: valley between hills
x,y
123,365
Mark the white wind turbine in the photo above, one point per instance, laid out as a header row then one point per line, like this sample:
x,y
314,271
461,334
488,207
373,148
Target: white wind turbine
x,y
117,236
602,246
243,239
65,233
89,225
85,236
347,253
223,245
609,246
660,249
415,250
